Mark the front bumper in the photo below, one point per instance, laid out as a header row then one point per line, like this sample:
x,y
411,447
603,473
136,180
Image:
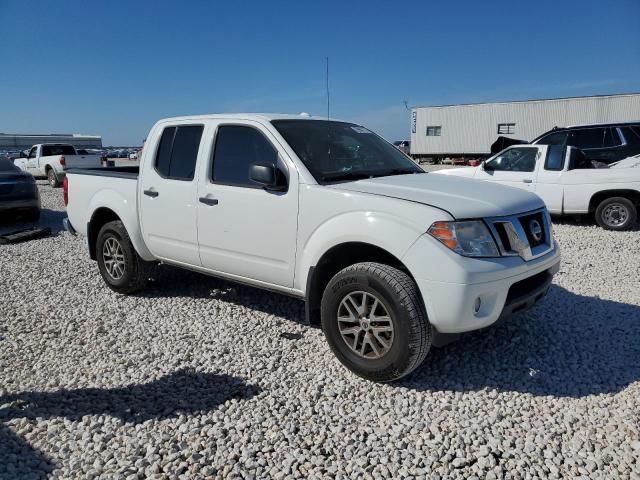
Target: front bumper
x,y
451,285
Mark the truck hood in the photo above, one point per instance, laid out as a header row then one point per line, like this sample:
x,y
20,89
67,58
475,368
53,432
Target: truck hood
x,y
460,197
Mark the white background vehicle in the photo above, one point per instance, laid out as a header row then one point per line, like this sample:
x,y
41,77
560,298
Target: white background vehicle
x,y
388,258
51,159
566,181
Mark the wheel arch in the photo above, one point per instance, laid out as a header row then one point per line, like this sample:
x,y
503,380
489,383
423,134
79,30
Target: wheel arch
x,y
99,218
335,259
108,205
598,197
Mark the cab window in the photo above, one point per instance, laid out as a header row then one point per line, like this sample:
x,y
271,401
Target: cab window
x,y
558,138
178,151
555,158
514,160
236,148
587,138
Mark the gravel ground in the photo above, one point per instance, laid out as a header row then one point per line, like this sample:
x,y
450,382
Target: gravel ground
x,y
199,378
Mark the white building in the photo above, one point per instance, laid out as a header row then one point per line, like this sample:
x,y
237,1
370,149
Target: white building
x,y
14,141
469,130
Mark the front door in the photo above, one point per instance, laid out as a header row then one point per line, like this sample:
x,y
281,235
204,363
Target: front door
x,y
167,195
514,167
243,229
32,162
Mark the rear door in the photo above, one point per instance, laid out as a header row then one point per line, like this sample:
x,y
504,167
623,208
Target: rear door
x,y
243,229
514,166
167,193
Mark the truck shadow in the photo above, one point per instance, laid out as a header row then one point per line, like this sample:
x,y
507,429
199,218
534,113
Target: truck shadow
x,y
182,392
569,346
172,282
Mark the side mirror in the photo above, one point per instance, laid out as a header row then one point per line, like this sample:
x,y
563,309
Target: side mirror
x,y
487,168
267,175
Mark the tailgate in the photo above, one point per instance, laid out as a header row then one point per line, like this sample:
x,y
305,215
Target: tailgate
x,y
82,161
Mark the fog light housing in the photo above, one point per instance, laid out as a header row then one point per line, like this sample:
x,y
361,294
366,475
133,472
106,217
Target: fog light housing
x,y
476,305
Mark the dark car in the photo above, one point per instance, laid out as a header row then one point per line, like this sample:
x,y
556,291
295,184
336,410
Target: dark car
x,y
606,143
18,191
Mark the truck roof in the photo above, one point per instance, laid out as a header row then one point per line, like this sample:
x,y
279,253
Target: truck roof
x,y
248,116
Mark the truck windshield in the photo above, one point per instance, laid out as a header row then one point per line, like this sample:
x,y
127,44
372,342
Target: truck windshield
x,y
339,151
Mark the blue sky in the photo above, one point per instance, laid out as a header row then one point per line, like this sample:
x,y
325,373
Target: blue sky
x,y
115,67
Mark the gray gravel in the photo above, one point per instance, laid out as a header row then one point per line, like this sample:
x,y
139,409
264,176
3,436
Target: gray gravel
x,y
201,378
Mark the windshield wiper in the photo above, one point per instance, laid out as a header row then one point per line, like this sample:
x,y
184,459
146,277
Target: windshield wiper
x,y
399,171
359,175
348,176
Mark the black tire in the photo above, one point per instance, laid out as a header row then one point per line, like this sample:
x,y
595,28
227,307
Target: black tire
x,y
399,295
616,213
53,178
135,272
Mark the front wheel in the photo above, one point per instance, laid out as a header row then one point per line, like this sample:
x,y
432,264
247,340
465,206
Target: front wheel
x,y
375,322
120,265
616,213
53,178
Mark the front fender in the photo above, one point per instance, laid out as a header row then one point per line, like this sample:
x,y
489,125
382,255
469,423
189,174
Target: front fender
x,y
391,233
126,210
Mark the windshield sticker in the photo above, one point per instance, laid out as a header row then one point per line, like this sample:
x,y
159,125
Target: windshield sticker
x,y
360,130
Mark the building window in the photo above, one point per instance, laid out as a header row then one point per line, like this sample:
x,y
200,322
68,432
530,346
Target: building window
x,y
434,131
506,128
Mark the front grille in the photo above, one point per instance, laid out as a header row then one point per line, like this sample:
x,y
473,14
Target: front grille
x,y
534,228
527,235
502,233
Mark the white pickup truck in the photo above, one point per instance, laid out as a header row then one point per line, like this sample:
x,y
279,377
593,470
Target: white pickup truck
x,y
568,183
388,258
51,159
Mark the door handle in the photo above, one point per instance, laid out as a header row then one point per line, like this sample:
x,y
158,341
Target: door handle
x,y
151,193
527,180
209,201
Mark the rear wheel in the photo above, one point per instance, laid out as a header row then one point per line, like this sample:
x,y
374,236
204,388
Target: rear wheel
x,y
616,213
120,265
53,178
375,322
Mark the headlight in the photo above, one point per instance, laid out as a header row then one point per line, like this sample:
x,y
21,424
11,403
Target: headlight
x,y
469,238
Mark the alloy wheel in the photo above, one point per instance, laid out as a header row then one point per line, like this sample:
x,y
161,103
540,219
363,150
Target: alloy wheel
x,y
365,324
113,258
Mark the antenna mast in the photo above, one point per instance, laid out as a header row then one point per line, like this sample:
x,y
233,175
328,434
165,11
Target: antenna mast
x,y
327,77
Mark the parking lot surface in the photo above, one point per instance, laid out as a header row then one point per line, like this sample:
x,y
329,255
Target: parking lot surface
x,y
201,378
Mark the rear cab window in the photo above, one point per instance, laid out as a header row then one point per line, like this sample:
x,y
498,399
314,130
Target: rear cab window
x,y
555,158
178,152
51,150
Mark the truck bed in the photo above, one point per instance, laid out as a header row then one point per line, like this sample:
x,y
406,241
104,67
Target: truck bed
x,y
131,172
